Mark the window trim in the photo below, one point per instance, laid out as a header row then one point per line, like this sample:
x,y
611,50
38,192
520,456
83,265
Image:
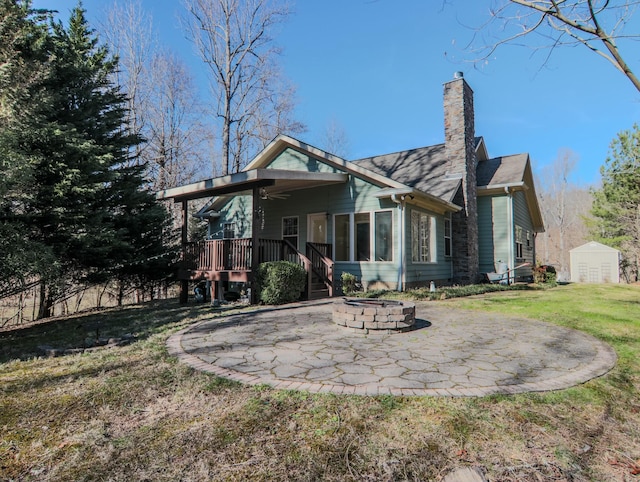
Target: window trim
x,y
297,235
519,245
372,236
448,240
433,243
350,240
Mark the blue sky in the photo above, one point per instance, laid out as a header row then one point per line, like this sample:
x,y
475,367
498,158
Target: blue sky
x,y
376,68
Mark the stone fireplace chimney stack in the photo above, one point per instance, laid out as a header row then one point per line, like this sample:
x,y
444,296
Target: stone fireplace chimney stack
x,y
459,138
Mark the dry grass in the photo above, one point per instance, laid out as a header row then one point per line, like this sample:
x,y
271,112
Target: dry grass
x,y
134,413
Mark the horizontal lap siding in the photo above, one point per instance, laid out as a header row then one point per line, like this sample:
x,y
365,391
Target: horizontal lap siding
x,y
493,231
421,274
522,218
237,210
292,160
357,195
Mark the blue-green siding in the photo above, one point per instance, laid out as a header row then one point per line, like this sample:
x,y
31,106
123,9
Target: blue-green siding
x,y
293,160
493,231
422,273
498,219
355,196
496,232
522,219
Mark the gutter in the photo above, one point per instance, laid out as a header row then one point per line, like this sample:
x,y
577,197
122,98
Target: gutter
x,y
510,232
401,234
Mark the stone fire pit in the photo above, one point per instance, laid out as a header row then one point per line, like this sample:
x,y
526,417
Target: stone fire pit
x,y
375,316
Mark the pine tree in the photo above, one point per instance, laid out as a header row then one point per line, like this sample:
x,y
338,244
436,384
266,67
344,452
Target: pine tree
x,y
616,205
86,206
23,60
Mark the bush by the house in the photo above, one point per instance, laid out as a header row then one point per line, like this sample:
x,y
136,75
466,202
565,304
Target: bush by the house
x,y
349,283
544,274
280,282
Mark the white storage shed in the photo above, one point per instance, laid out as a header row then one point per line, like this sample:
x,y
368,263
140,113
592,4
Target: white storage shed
x,y
595,263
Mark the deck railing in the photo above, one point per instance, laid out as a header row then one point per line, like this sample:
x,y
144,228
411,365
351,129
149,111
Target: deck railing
x,y
235,255
217,255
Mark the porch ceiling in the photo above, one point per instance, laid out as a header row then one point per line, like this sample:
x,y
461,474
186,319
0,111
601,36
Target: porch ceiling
x,y
280,181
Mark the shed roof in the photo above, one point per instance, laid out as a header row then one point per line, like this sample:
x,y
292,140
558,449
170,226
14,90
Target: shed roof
x,y
593,246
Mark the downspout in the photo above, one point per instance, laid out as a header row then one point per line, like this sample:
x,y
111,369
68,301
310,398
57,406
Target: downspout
x,y
401,235
510,233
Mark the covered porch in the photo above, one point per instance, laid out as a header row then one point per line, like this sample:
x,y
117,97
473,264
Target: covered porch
x,y
236,260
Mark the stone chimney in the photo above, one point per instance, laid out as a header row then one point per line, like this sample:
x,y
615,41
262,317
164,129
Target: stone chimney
x,y
459,138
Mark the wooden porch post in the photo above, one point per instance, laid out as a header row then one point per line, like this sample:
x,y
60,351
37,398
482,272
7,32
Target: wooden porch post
x,y
255,227
184,284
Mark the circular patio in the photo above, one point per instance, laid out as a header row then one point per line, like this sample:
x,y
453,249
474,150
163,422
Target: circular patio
x,y
450,352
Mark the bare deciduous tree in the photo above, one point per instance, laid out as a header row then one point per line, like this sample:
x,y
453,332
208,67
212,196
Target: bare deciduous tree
x,y
335,140
175,135
234,39
564,206
163,106
128,30
598,25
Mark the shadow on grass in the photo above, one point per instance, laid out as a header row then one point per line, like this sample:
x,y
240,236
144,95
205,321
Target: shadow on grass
x,y
141,321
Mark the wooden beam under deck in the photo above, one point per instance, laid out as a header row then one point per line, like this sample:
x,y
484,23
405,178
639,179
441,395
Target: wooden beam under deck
x,y
234,276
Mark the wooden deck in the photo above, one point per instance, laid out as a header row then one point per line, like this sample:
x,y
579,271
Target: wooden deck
x,y
232,260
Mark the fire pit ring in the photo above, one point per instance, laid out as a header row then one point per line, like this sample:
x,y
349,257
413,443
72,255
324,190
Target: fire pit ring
x,y
375,316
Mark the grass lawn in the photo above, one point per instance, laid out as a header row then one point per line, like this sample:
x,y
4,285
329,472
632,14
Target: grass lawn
x,y
134,413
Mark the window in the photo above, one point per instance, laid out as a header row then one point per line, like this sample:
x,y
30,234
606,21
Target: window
x,y
290,230
423,248
448,245
356,239
228,230
384,236
363,237
519,240
343,237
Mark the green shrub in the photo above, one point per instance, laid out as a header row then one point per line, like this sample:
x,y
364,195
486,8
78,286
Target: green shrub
x,y
280,282
544,274
349,283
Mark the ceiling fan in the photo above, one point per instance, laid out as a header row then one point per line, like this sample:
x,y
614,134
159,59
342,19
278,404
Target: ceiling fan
x,y
264,194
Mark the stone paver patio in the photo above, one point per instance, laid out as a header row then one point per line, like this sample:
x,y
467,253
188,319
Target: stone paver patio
x,y
451,353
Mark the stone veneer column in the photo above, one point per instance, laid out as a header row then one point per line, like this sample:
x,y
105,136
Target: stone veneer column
x,y
459,133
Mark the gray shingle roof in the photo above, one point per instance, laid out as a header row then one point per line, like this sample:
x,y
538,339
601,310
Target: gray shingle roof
x,y
424,168
502,170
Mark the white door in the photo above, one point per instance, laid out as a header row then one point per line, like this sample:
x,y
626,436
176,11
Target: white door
x,y
317,231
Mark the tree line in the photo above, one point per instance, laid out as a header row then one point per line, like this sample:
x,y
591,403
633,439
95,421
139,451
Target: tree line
x,y
75,207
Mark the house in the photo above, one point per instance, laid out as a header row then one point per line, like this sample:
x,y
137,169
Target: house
x,y
594,263
444,213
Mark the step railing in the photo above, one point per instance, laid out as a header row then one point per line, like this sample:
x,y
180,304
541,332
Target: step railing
x,y
322,263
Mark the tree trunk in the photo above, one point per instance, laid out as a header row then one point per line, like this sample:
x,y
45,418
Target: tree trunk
x,y
46,303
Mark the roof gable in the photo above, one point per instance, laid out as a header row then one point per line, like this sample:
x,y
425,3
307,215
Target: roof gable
x,y
282,143
400,179
511,173
502,171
